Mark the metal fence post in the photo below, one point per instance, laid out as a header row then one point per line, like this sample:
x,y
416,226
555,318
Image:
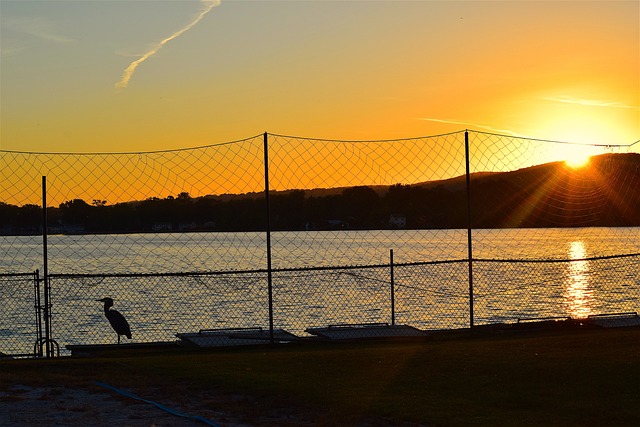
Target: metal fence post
x,y
469,237
37,347
393,294
268,231
45,270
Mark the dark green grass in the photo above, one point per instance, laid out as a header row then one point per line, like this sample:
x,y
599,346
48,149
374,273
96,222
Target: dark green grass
x,y
570,378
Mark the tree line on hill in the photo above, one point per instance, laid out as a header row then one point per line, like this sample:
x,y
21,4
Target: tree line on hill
x,y
606,193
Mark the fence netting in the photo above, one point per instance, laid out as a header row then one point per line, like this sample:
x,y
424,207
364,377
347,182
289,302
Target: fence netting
x,y
553,185
349,232
20,322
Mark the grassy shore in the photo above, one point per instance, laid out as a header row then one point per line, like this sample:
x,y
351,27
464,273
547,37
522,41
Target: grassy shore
x,y
568,378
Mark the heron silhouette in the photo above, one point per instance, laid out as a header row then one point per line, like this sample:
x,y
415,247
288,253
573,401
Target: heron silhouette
x,y
117,320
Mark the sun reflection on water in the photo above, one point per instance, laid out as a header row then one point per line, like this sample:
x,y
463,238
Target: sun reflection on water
x,y
578,296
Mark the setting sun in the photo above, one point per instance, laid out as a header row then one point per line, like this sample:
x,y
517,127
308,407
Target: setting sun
x,y
578,160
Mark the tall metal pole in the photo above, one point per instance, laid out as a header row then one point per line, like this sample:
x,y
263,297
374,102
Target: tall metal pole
x,y
37,351
469,239
268,231
45,272
393,294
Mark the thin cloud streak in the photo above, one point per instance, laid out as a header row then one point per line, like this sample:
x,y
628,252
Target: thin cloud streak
x,y
128,72
474,125
40,28
590,102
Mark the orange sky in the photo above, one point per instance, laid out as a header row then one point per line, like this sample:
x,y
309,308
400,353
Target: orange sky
x,y
210,72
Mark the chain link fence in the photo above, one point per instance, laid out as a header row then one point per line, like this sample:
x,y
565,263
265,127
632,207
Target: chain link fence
x,y
293,235
516,291
20,324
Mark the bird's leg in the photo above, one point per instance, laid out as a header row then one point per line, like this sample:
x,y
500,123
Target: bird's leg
x,y
118,338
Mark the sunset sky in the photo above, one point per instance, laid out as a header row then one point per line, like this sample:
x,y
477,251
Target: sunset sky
x,y
111,76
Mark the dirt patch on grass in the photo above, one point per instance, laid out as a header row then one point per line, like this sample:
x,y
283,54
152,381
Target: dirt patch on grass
x,y
60,406
22,405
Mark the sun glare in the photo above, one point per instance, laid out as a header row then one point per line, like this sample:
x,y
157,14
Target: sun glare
x,y
578,160
575,156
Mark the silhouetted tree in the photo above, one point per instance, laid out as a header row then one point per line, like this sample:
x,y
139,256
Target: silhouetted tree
x,y
361,206
74,212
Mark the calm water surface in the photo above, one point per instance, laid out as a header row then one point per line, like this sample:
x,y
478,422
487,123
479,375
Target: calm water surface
x,y
196,252
432,296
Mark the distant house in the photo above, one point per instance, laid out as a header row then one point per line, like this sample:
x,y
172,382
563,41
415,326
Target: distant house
x,y
337,223
162,226
54,229
397,221
187,226
73,229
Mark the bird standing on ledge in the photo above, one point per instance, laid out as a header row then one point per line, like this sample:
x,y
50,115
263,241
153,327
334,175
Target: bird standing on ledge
x,y
117,320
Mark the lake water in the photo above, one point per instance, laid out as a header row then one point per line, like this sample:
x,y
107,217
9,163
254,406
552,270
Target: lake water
x,y
519,273
197,252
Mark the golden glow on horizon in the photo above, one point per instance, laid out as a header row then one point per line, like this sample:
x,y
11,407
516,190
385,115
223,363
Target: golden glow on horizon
x,y
578,160
575,155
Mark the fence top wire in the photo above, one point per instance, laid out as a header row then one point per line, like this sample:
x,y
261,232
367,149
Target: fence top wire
x,y
522,260
240,272
33,274
173,150
365,140
553,141
322,140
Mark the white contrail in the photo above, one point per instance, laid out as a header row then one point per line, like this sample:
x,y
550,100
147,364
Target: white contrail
x,y
128,72
457,122
590,102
